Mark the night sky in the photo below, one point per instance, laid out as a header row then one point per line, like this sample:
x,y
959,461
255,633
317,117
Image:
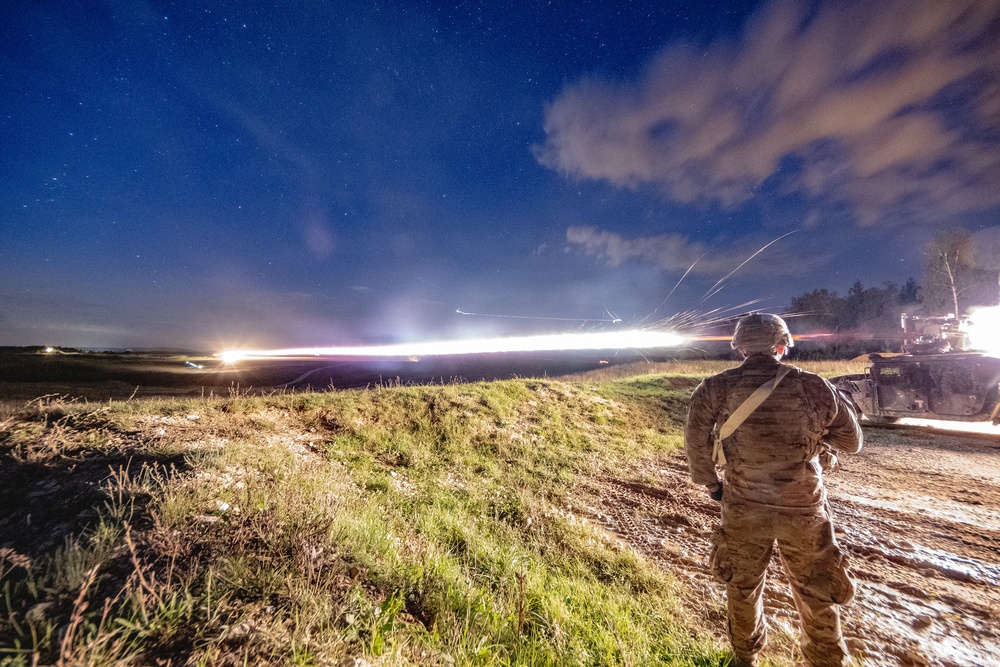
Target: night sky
x,y
253,174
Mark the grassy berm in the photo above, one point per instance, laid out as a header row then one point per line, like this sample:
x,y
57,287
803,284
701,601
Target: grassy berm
x,y
424,525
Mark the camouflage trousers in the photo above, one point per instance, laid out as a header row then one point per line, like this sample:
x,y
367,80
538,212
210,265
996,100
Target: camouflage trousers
x,y
813,562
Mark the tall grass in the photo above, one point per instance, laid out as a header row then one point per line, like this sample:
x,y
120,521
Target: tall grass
x,y
395,525
703,367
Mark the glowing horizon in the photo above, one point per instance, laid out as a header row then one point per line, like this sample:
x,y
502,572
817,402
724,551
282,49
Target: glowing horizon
x,y
618,340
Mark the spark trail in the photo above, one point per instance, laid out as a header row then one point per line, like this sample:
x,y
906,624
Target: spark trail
x,y
673,332
719,286
609,318
693,320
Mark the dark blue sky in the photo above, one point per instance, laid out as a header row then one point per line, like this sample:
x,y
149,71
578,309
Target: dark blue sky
x,y
216,174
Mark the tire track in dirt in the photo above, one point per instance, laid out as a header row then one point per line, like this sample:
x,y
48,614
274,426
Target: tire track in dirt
x,y
918,512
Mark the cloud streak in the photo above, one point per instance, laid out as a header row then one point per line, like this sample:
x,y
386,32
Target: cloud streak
x,y
890,110
675,253
670,252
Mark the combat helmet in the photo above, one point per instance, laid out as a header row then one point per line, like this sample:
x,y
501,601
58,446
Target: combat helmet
x,y
761,332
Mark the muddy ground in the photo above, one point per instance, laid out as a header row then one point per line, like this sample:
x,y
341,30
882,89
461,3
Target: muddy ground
x,y
918,511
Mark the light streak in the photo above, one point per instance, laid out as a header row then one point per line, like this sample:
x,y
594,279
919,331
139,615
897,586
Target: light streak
x,y
964,427
610,317
694,320
644,339
676,285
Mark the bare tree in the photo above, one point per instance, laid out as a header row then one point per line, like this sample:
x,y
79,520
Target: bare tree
x,y
952,280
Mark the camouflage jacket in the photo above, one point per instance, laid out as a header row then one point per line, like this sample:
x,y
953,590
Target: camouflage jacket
x,y
772,458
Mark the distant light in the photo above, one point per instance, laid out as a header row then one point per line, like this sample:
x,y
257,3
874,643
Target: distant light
x,y
50,350
232,356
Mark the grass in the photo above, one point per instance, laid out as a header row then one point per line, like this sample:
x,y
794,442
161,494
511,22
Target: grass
x,y
423,525
703,367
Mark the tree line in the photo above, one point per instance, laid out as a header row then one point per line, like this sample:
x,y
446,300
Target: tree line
x,y
955,278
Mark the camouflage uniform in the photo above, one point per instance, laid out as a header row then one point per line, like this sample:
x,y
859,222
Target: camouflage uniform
x,y
773,492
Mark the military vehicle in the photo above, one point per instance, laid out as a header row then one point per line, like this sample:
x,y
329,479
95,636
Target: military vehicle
x,y
936,377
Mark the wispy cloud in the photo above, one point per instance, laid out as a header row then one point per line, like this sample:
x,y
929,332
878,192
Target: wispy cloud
x,y
675,253
670,252
889,109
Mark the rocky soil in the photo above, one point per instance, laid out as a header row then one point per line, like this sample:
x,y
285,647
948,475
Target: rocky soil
x,y
918,511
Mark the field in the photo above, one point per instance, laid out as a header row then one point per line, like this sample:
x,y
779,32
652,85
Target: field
x,y
522,521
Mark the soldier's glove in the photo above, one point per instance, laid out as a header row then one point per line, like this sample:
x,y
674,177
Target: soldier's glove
x,y
829,462
716,493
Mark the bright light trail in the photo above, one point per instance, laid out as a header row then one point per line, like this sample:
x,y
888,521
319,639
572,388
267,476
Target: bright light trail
x,y
617,340
965,427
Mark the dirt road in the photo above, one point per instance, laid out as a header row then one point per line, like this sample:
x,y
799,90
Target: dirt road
x,y
918,511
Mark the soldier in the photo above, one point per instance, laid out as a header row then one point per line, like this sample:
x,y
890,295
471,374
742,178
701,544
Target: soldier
x,y
772,488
